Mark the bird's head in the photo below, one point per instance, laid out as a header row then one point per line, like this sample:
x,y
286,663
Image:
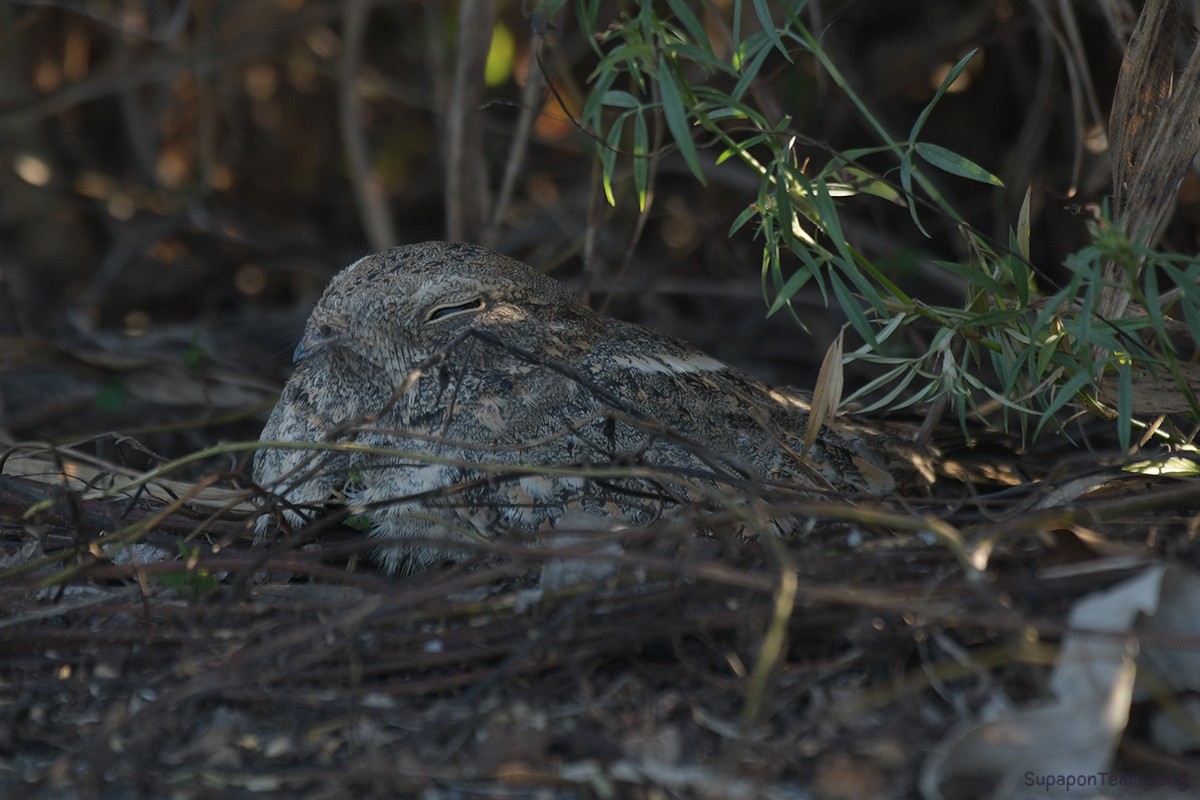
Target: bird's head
x,y
398,308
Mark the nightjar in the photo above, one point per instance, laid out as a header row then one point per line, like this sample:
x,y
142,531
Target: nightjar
x,y
454,391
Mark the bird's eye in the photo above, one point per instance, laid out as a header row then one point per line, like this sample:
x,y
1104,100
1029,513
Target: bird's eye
x,y
442,312
325,330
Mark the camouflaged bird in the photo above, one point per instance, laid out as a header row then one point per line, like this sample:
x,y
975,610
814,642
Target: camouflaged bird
x,y
481,395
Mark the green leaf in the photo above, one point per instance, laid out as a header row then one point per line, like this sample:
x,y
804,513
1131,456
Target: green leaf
x,y
906,179
1020,279
1153,309
1023,225
947,82
1191,315
725,107
750,213
801,251
1047,350
949,161
1082,321
783,211
618,99
608,156
683,12
891,288
974,275
861,181
864,286
903,377
794,284
677,122
827,214
770,266
990,319
857,153
739,149
893,325
763,9
1052,307
853,311
1003,365
737,30
587,12
701,57
1065,393
750,72
1124,404
1008,402
641,158
627,58
590,117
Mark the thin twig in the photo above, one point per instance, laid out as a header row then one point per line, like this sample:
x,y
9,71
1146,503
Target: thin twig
x,y
466,178
369,193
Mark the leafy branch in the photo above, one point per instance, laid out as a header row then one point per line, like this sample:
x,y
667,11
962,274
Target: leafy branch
x,y
1017,343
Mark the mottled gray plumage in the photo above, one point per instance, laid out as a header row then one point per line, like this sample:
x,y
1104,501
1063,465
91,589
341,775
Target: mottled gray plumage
x,y
463,357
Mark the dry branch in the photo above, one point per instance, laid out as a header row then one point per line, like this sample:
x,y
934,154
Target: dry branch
x,y
467,195
1154,131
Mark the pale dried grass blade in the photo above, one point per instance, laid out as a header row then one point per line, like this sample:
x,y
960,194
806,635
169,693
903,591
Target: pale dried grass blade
x,y
827,394
1023,225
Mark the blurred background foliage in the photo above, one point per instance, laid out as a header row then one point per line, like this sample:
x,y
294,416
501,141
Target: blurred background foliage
x,y
178,180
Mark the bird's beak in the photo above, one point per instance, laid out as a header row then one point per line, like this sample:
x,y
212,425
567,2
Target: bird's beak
x,y
314,340
303,349
311,343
